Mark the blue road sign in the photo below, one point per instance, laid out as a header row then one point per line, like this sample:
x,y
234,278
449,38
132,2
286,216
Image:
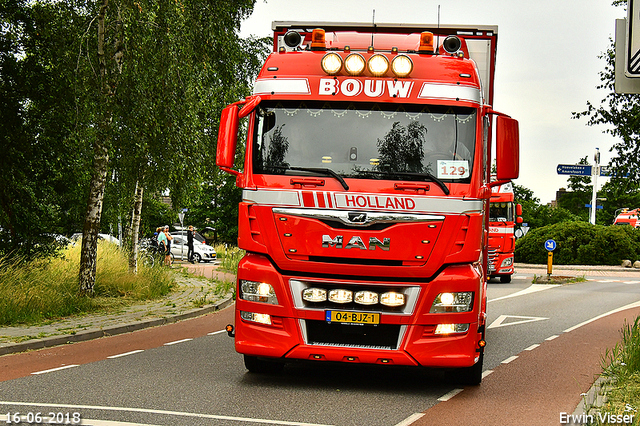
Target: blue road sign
x,y
574,169
550,245
597,207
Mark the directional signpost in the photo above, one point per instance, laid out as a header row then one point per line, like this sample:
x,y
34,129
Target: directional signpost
x,y
574,169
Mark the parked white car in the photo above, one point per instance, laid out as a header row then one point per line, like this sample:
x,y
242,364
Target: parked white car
x,y
201,251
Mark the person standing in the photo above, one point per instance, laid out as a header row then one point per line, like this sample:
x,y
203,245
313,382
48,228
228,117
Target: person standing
x,y
167,256
162,243
190,244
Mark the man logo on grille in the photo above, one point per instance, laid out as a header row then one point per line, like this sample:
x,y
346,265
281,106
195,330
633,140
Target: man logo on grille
x,y
356,217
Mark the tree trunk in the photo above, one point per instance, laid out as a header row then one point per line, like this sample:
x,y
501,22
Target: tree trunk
x,y
135,228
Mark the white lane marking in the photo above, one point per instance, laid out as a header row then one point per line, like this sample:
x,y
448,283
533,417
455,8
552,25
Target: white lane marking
x,y
163,412
216,332
409,420
499,322
449,395
552,337
533,288
608,281
532,347
125,354
623,308
631,282
511,358
486,373
177,341
64,367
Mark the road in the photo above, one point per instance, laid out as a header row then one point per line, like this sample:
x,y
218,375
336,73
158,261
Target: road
x,y
188,373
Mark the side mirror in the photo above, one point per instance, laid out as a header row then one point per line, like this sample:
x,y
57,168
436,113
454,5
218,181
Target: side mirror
x,y
228,132
507,148
518,209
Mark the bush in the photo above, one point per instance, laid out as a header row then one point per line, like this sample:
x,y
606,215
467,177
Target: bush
x,y
580,243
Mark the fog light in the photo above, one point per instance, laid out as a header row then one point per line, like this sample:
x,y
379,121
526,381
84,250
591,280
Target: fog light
x,y
314,295
451,328
366,297
392,299
402,65
378,65
452,302
253,291
255,317
340,296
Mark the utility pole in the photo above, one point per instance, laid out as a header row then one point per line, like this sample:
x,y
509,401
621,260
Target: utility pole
x,y
595,173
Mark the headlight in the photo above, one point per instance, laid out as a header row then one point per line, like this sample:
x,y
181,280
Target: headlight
x,y
340,296
331,63
253,291
314,294
378,65
452,302
366,297
507,262
354,64
254,317
392,299
402,65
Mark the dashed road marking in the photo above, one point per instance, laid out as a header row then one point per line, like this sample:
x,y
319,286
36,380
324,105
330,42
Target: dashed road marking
x,y
500,321
449,395
177,341
532,347
125,354
486,373
409,420
216,332
531,289
552,337
511,358
64,367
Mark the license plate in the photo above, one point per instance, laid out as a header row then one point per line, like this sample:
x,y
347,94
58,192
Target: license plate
x,y
352,317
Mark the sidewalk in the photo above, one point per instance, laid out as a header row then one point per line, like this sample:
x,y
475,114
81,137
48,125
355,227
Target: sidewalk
x,y
192,297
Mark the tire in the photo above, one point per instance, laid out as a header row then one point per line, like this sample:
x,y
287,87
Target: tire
x,y
505,279
469,376
196,258
261,366
148,260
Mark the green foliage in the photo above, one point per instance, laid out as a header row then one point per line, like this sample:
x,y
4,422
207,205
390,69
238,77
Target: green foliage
x,y
47,288
580,243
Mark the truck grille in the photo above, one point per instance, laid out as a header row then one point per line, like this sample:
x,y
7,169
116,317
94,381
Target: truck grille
x,y
381,336
493,257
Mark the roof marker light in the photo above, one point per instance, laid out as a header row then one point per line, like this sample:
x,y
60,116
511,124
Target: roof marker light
x,y
426,42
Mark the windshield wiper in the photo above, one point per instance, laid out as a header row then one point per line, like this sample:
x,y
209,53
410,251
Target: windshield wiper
x,y
324,171
425,176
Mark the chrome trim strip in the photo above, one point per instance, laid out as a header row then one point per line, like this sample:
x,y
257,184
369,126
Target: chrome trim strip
x,y
371,217
279,86
272,197
450,92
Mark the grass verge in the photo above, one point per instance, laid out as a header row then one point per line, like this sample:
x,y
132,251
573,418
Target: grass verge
x,y
46,289
621,369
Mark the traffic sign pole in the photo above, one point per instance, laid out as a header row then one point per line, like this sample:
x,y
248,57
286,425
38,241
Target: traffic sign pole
x,y
549,263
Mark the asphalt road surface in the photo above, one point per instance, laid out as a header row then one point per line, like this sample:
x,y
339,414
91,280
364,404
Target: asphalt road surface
x,y
189,374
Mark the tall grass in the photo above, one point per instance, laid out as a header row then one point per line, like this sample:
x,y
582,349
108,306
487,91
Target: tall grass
x,y
45,289
229,257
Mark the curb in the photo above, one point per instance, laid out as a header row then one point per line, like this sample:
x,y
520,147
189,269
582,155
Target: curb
x,y
82,336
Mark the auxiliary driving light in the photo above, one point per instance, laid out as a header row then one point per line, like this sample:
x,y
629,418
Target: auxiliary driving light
x,y
314,294
366,297
392,299
331,63
340,296
378,65
402,65
354,64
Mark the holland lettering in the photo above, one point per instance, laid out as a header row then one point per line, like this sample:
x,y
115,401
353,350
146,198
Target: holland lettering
x,y
379,202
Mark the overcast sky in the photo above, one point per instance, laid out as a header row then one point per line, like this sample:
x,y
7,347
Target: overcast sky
x,y
547,65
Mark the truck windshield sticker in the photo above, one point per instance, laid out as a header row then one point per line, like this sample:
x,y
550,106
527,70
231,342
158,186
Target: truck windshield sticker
x,y
453,169
365,140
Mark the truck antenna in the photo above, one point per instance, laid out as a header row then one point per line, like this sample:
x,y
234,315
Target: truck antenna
x,y
438,35
373,22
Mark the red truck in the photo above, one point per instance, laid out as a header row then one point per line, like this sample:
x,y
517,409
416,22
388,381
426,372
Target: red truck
x,y
503,216
366,187
628,217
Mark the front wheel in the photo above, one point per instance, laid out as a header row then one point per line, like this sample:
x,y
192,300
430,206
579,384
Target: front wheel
x,y
505,279
196,258
261,366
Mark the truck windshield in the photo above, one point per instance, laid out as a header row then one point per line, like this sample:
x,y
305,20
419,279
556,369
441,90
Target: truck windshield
x,y
365,140
501,212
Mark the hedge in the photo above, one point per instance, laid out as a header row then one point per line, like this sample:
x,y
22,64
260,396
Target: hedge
x,y
580,243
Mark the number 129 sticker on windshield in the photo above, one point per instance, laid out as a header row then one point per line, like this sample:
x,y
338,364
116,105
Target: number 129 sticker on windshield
x,y
453,169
